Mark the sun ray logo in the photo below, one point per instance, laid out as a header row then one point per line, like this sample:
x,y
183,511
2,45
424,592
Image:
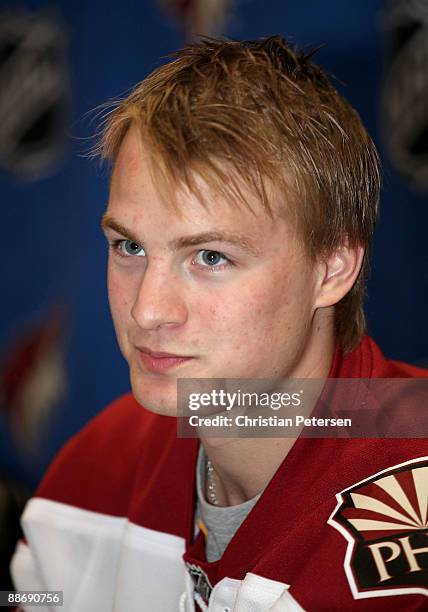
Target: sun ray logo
x,y
385,522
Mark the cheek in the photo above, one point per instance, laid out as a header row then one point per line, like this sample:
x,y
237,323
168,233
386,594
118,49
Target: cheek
x,y
258,313
247,311
120,295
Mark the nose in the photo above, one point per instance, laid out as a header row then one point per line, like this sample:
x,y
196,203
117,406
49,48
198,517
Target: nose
x,y
159,301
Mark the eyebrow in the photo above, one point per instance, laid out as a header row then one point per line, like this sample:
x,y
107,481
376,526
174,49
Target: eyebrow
x,y
233,238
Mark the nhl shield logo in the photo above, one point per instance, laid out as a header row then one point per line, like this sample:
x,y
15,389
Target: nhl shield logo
x,y
385,522
202,584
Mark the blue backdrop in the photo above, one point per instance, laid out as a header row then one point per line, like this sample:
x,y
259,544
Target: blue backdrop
x,y
52,248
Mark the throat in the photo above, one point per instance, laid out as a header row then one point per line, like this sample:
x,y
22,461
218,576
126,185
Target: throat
x,y
233,476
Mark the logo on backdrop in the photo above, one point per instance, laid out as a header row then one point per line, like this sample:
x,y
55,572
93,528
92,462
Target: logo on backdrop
x,y
406,87
385,522
34,379
196,17
33,93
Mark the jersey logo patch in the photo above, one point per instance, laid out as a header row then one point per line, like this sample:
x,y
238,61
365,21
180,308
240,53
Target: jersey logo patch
x,y
384,519
201,581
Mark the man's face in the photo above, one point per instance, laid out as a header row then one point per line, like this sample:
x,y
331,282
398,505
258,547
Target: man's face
x,y
222,292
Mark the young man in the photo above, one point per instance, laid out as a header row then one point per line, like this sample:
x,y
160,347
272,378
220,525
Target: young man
x,y
243,198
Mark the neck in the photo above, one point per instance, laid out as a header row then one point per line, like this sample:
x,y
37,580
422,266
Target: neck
x,y
244,466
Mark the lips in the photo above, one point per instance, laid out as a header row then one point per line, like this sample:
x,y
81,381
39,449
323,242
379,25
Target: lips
x,y
159,361
160,355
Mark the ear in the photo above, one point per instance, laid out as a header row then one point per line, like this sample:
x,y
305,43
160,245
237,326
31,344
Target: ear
x,y
338,273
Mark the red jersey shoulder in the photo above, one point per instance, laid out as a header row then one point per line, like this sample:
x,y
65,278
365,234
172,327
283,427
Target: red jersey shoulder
x,y
103,457
406,370
381,367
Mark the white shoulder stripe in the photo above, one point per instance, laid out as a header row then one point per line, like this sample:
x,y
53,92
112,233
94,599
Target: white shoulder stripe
x,y
102,563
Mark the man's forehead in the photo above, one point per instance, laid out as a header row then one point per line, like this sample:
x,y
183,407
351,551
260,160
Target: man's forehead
x,y
136,183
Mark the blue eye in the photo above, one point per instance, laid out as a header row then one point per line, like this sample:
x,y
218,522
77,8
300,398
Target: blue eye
x,y
129,247
210,258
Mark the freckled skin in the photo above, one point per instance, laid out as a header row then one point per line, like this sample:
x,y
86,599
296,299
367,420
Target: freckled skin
x,y
255,319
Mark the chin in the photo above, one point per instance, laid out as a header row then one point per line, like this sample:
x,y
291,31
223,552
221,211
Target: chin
x,y
154,393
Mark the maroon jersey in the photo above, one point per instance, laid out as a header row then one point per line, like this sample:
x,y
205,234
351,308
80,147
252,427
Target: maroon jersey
x,y
342,525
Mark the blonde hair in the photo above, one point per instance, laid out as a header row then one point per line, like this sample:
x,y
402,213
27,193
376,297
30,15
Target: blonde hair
x,y
258,113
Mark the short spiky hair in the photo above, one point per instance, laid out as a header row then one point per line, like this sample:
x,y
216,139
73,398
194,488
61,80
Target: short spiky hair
x,y
257,113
